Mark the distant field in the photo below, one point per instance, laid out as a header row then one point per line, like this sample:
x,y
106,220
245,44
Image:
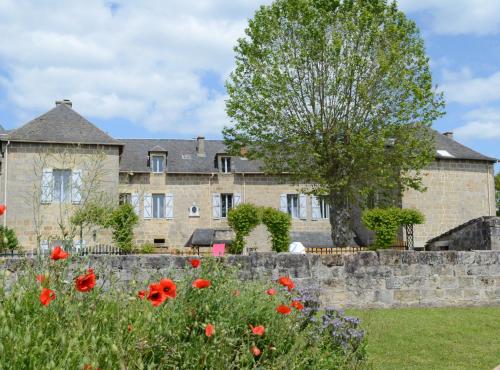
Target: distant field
x,y
432,338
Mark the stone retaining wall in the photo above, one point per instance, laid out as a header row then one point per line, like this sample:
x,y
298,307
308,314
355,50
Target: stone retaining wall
x,y
362,280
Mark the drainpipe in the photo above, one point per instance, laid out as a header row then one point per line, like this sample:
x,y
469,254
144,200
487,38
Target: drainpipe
x,y
5,181
244,191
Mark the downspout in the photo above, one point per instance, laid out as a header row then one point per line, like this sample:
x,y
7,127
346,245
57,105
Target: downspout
x,y
244,187
5,181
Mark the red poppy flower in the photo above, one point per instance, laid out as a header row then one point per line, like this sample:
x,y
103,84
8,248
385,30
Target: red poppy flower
x,y
58,254
129,328
258,330
156,295
3,208
284,310
169,288
286,281
255,351
201,283
195,263
46,296
41,278
271,291
85,283
297,305
209,330
141,294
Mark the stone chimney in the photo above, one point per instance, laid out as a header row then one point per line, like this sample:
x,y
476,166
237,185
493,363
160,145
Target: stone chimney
x,y
200,146
66,102
448,134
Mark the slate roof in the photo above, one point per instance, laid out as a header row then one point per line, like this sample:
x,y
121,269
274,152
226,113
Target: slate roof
x,y
181,156
457,150
311,239
61,125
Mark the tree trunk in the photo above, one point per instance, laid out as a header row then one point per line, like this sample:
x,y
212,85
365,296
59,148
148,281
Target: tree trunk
x,y
340,221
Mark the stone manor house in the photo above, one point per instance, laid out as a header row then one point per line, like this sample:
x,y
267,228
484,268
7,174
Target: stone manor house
x,y
183,189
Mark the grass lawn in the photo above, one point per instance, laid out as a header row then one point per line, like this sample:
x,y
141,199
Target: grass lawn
x,y
432,338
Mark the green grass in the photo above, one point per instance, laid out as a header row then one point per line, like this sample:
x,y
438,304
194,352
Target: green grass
x,y
432,338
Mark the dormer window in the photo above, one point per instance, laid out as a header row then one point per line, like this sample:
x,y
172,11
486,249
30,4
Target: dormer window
x,y
225,163
157,163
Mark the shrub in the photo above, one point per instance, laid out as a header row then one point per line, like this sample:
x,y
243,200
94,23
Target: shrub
x,y
122,220
278,224
242,219
115,329
8,239
386,222
146,248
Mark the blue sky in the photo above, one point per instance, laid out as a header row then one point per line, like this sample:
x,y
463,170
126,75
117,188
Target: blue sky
x,y
156,68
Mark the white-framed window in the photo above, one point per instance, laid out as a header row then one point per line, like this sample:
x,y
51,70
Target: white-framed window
x,y
226,201
324,208
225,164
320,208
157,163
223,203
125,198
294,204
62,186
158,205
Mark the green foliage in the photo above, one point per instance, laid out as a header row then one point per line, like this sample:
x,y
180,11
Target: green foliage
x,y
386,222
321,87
8,239
146,248
90,214
242,219
122,220
112,328
497,192
278,224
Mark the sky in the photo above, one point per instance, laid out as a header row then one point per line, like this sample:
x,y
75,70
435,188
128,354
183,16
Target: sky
x,y
156,68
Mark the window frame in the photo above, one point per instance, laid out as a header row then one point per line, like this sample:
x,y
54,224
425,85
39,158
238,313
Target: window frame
x,y
225,164
161,161
64,189
158,207
125,198
226,206
324,208
290,199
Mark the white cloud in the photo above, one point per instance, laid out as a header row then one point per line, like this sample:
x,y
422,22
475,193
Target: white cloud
x,y
144,61
453,17
481,124
463,87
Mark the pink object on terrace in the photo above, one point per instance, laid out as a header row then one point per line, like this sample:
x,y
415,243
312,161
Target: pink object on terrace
x,y
218,250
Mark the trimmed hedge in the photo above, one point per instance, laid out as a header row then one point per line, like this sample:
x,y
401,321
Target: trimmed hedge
x,y
245,217
386,222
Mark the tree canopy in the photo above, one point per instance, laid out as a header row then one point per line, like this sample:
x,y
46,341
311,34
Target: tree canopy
x,y
336,94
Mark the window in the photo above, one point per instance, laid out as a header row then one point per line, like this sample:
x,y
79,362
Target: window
x,y
324,208
157,163
159,242
158,205
292,205
62,185
225,164
226,204
125,198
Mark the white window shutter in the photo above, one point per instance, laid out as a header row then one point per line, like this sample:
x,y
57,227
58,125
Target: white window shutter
x,y
44,245
134,199
236,199
148,206
302,206
216,205
169,206
47,186
316,211
283,203
76,186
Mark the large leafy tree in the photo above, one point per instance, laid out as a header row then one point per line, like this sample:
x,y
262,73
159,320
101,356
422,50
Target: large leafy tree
x,y
337,94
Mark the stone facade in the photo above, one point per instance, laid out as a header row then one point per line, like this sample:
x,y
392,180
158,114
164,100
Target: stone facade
x,y
457,191
197,189
362,280
21,179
